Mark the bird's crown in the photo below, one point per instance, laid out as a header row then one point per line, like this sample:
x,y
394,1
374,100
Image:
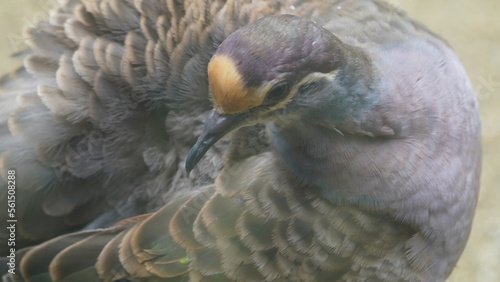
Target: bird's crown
x,y
260,63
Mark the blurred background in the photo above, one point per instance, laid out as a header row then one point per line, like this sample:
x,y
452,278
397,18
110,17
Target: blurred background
x,y
471,27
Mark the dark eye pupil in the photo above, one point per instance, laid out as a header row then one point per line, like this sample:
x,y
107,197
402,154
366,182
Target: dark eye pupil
x,y
277,92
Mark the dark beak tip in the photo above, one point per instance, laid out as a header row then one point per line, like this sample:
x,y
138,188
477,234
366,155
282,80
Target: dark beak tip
x,y
192,158
216,127
188,169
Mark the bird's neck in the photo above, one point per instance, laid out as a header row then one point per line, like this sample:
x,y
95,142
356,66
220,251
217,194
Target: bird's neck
x,y
337,145
339,165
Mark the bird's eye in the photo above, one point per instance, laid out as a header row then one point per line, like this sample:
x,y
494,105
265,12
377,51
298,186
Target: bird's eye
x,y
277,93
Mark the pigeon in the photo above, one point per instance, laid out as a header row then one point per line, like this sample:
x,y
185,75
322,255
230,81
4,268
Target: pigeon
x,y
239,141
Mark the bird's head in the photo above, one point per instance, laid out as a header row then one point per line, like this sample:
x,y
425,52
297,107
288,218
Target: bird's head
x,y
271,70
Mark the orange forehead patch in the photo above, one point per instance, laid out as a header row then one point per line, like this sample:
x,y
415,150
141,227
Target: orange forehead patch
x,y
228,88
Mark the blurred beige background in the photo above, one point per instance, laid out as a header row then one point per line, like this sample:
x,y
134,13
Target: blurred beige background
x,y
471,27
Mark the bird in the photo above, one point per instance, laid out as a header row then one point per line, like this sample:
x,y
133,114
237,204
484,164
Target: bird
x,y
240,141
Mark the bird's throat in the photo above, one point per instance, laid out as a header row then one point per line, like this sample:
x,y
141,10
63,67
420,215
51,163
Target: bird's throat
x,y
305,150
335,163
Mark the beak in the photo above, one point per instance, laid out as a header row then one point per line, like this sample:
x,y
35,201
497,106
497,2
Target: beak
x,y
216,126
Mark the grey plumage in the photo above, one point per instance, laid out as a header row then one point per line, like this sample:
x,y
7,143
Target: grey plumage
x,y
365,168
